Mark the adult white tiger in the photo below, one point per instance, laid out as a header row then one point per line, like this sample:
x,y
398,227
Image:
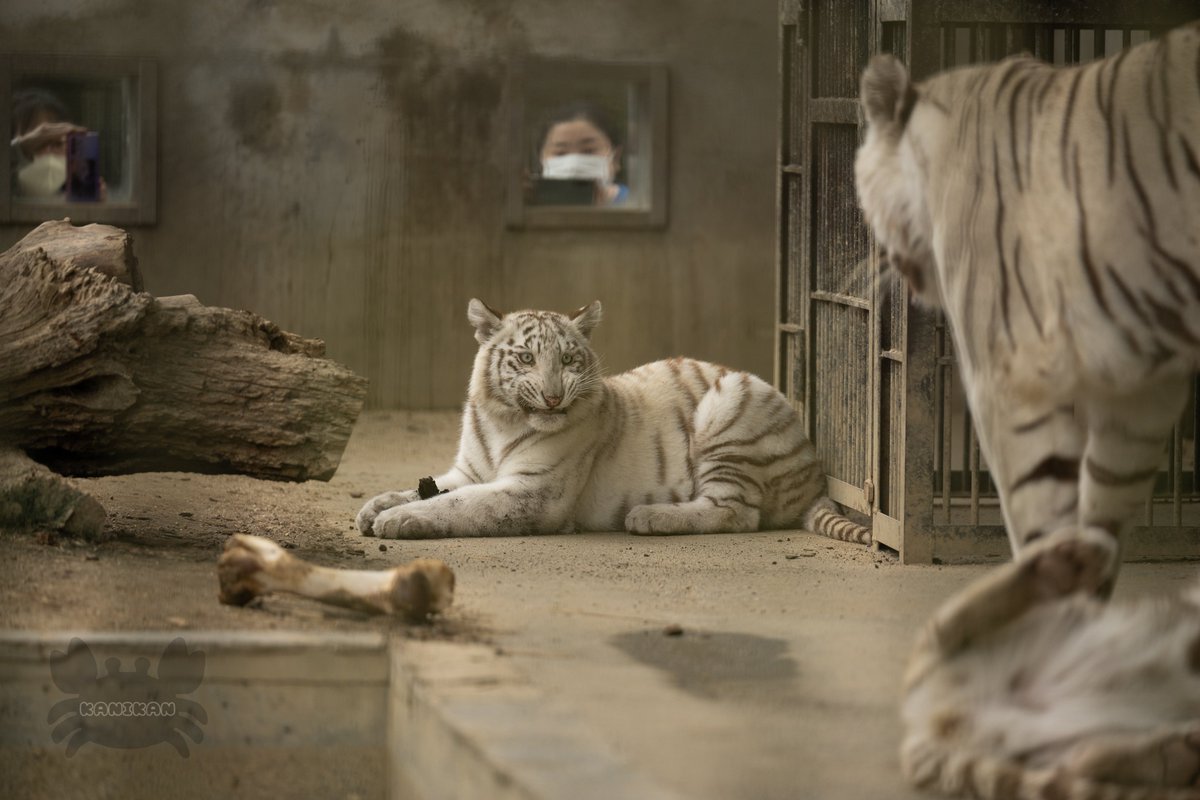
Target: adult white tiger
x,y
1054,214
548,446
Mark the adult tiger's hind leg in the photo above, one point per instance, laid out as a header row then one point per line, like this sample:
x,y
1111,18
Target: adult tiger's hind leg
x,y
1127,436
1033,447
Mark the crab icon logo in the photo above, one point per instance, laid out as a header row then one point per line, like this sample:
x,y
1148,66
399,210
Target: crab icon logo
x,y
127,709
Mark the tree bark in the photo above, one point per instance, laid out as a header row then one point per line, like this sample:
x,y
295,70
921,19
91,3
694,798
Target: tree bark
x,y
99,247
97,378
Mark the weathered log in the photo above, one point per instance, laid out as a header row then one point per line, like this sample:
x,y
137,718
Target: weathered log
x,y
100,247
99,379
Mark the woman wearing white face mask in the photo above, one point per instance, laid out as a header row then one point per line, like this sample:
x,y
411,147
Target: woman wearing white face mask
x,y
578,142
41,126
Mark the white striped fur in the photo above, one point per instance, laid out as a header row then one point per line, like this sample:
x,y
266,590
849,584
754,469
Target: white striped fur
x,y
1023,686
548,445
1054,215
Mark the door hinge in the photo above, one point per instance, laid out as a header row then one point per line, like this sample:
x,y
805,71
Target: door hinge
x,y
869,491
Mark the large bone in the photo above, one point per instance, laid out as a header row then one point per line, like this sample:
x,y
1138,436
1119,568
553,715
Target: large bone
x,y
252,566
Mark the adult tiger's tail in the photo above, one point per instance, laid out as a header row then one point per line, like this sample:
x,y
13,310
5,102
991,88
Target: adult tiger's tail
x,y
824,517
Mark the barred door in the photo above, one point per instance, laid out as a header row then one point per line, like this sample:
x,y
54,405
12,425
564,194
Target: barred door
x,y
826,316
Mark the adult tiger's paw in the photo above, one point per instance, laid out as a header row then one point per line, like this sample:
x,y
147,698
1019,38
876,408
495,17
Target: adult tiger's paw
x,y
378,504
408,522
1071,560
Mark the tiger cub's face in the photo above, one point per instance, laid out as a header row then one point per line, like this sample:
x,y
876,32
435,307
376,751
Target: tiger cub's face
x,y
890,179
538,363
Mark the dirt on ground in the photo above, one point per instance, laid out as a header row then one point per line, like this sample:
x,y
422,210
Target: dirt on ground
x,y
157,568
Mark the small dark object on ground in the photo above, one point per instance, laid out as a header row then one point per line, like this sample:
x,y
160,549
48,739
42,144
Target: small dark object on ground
x,y
427,488
673,630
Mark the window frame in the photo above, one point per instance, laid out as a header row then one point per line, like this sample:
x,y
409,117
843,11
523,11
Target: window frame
x,y
652,108
142,209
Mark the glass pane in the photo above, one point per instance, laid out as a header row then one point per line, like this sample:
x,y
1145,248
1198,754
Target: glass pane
x,y
71,140
588,144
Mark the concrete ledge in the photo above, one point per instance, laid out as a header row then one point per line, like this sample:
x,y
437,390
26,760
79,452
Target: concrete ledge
x,y
465,724
284,715
308,715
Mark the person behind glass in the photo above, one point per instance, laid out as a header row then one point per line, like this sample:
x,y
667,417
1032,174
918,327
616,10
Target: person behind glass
x,y
578,142
41,124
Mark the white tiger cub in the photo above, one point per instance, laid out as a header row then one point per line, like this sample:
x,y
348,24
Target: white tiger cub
x,y
1023,686
548,445
1054,214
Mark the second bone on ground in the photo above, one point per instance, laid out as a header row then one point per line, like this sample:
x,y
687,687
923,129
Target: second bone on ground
x,y
252,566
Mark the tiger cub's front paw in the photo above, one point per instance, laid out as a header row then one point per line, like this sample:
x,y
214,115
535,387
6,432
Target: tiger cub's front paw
x,y
406,522
652,520
376,505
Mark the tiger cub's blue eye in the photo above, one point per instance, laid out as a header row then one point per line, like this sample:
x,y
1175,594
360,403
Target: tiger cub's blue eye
x,y
568,358
526,357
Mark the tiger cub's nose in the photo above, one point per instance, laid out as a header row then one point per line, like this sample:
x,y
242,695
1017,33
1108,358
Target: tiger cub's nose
x,y
552,400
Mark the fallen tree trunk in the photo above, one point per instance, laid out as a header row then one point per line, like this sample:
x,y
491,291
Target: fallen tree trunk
x,y
99,379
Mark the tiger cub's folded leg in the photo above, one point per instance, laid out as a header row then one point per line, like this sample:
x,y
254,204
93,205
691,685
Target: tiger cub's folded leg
x,y
705,514
752,464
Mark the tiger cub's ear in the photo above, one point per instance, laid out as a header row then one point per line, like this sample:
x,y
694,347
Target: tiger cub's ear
x,y
887,94
484,319
587,318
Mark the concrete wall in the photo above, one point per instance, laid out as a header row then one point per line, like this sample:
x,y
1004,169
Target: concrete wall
x,y
338,166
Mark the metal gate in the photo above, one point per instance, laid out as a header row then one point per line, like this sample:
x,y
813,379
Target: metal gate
x,y
874,377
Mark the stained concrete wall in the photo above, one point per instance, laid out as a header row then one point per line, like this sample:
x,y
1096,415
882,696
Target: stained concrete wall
x,y
338,166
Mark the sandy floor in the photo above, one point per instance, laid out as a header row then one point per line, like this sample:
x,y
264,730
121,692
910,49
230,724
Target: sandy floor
x,y
783,683
167,530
